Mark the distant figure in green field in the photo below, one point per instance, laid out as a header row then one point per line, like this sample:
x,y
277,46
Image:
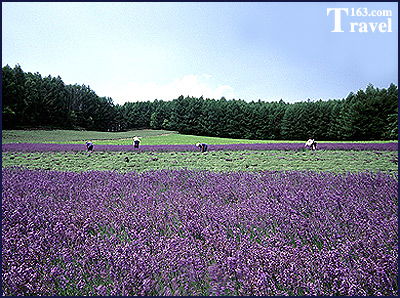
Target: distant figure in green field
x,y
136,142
203,147
312,144
89,147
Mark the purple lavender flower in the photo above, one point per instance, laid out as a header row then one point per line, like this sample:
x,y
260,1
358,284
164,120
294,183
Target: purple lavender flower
x,y
38,147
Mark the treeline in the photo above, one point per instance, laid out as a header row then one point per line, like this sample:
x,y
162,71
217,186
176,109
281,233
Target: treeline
x,y
31,101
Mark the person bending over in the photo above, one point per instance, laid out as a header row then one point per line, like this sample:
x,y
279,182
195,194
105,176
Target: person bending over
x,y
203,147
89,147
136,142
312,144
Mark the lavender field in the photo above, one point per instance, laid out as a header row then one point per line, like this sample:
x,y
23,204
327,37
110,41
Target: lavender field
x,y
243,219
199,233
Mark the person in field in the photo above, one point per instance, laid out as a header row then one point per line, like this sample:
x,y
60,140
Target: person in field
x,y
203,147
136,142
312,144
89,147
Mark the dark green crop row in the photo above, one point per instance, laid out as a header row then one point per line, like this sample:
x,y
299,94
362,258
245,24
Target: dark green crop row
x,y
333,161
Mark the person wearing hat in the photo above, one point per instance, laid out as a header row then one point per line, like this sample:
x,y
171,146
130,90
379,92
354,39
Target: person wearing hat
x,y
203,147
312,144
136,142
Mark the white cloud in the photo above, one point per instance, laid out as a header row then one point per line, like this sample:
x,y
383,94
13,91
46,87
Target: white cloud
x,y
188,85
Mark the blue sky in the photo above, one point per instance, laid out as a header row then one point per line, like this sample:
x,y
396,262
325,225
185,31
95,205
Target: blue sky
x,y
257,50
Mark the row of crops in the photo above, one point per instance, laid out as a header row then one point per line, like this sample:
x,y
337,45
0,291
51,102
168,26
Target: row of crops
x,y
41,147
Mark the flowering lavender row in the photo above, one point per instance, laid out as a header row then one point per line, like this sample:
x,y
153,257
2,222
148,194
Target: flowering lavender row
x,y
198,233
38,147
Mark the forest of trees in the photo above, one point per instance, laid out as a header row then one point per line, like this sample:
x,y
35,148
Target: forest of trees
x,y
32,101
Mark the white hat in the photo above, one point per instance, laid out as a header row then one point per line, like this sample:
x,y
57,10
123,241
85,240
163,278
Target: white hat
x,y
198,144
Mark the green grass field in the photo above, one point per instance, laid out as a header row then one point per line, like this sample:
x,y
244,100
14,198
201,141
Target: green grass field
x,y
149,137
333,161
74,136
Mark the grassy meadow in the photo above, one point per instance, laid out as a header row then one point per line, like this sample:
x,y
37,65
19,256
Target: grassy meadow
x,y
74,136
148,137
